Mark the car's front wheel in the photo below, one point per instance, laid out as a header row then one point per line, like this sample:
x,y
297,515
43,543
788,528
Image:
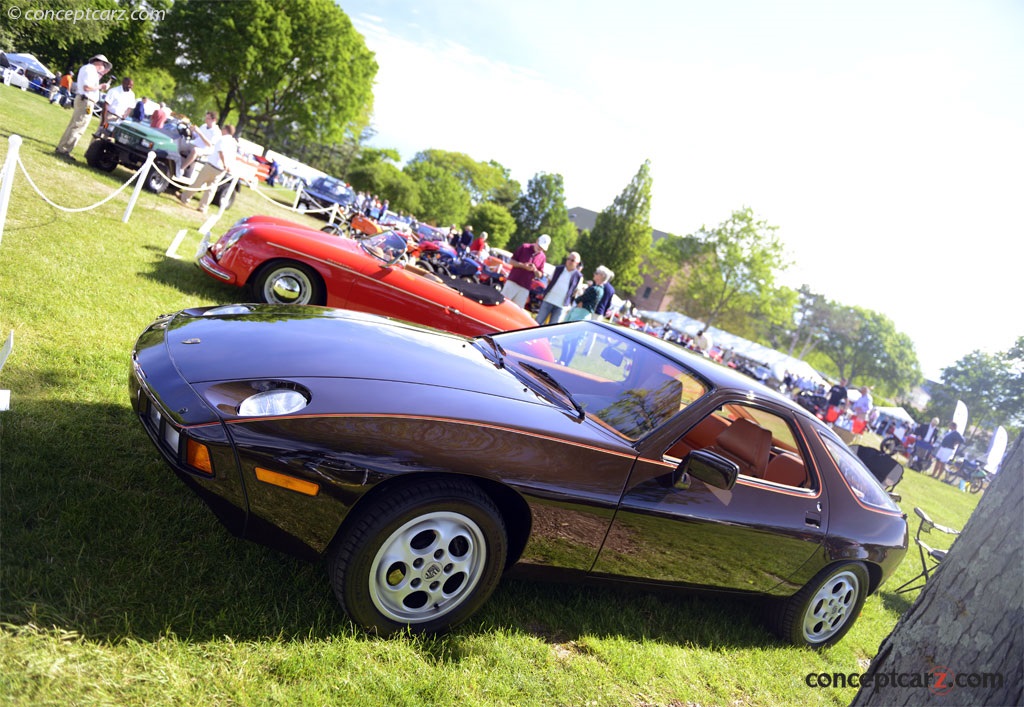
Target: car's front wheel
x,y
284,282
425,557
888,446
825,609
102,155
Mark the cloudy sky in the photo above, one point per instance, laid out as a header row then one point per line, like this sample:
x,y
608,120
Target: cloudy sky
x,y
885,138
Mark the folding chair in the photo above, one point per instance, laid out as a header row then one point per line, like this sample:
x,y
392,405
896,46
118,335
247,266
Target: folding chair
x,y
930,557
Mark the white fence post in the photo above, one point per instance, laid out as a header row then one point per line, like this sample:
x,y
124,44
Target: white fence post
x,y
7,178
298,193
5,351
142,175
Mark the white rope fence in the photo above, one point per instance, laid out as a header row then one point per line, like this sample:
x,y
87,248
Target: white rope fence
x,y
13,162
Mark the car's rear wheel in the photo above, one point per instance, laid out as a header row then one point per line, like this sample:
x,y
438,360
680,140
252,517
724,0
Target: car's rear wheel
x,y
825,609
224,197
155,182
101,155
888,446
286,282
425,557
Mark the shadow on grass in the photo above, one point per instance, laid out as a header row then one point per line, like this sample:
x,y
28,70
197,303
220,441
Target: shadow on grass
x,y
102,539
186,277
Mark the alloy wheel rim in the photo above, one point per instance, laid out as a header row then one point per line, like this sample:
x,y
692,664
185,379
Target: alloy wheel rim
x,y
832,607
427,567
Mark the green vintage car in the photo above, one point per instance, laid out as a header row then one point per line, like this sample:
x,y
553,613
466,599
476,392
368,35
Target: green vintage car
x,y
128,143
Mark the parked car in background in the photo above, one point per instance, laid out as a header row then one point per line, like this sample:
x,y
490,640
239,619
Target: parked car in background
x,y
281,262
14,76
325,192
30,66
424,465
129,142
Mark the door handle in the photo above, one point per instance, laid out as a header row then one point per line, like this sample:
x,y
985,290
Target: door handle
x,y
813,519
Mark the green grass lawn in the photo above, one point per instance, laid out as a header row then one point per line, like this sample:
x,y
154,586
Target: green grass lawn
x,y
118,586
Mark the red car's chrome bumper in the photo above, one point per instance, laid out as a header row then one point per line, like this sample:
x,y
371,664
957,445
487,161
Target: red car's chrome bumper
x,y
210,265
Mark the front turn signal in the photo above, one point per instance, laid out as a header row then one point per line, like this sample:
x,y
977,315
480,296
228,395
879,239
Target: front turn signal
x,y
197,456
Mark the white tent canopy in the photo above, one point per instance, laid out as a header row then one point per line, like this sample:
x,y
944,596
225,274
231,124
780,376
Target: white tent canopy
x,y
776,360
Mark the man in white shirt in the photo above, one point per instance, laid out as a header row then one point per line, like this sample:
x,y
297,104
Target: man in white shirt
x,y
220,162
204,137
120,102
87,93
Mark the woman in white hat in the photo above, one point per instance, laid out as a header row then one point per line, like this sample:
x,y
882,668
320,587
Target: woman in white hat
x,y
87,94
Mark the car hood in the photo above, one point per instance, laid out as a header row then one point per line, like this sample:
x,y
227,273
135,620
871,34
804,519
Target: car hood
x,y
291,342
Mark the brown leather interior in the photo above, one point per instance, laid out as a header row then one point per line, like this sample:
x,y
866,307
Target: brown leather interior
x,y
747,444
786,469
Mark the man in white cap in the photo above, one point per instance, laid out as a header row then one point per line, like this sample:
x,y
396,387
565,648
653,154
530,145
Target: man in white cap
x,y
87,94
527,264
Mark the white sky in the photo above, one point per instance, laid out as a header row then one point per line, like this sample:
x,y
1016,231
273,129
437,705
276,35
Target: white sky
x,y
885,138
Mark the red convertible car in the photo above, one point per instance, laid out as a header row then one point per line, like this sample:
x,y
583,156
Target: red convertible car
x,y
281,262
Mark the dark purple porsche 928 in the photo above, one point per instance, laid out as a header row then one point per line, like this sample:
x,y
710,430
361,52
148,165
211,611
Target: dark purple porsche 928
x,y
425,465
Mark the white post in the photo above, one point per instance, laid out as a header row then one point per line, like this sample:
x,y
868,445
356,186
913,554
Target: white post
x,y
141,176
334,213
298,193
5,351
172,251
7,178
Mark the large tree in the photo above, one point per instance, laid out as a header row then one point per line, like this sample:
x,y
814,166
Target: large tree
x,y
484,181
865,348
387,181
495,220
282,64
443,199
542,210
621,236
962,641
730,276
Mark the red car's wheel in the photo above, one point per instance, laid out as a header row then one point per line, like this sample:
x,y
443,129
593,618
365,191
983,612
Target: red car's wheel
x,y
286,282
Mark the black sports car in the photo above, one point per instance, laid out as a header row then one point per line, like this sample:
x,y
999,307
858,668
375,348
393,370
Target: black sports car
x,y
425,465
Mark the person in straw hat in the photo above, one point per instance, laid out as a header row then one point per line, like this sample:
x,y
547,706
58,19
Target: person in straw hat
x,y
87,94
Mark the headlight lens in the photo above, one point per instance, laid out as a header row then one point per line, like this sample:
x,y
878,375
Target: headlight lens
x,y
146,143
281,401
228,309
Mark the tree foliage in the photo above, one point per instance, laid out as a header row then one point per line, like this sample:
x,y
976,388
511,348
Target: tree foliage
x,y
61,45
483,181
864,347
542,210
730,273
443,199
388,182
281,65
621,237
495,220
990,385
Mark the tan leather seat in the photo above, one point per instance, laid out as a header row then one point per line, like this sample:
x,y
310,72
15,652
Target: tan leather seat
x,y
747,444
786,469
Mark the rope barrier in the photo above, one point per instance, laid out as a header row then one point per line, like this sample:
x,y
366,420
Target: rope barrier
x,y
79,209
222,179
293,209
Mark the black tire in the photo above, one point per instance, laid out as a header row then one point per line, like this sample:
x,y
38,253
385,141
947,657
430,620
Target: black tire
x,y
155,181
288,282
424,558
888,446
824,610
225,196
101,155
977,485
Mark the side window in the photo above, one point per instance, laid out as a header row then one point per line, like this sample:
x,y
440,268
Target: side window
x,y
760,442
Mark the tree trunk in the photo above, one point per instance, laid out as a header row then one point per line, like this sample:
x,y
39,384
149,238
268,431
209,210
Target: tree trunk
x,y
962,641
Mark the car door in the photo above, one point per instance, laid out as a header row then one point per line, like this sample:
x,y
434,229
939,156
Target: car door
x,y
751,537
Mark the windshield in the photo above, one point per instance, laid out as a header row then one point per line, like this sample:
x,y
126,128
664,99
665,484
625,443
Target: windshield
x,y
387,247
332,186
622,384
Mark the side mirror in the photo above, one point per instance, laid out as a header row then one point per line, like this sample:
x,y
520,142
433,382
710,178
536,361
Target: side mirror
x,y
713,469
